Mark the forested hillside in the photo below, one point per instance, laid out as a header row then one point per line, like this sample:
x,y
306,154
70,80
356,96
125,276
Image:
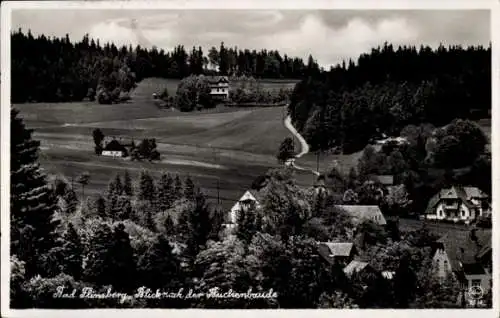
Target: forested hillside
x,y
389,89
55,69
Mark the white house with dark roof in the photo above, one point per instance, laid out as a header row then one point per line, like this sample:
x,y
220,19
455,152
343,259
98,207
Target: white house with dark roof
x,y
249,200
457,204
219,87
362,213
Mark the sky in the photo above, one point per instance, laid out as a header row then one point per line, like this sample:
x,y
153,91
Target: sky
x,y
330,36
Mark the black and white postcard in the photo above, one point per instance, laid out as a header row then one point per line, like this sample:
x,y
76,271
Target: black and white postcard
x,y
241,156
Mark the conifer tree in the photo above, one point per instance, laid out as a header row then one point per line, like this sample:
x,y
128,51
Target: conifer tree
x,y
169,226
111,199
146,187
100,205
166,191
118,185
127,184
178,188
189,189
122,254
246,225
72,251
33,202
99,264
197,222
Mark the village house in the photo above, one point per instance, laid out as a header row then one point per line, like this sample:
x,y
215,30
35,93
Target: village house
x,y
337,253
114,149
466,254
362,213
219,87
249,201
458,204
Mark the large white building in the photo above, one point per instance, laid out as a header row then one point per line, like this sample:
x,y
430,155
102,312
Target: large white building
x,y
458,204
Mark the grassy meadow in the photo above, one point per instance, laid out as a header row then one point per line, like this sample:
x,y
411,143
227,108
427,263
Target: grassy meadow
x,y
229,146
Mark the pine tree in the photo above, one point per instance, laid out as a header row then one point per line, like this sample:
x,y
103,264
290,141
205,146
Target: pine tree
x,y
197,222
166,191
118,185
146,187
189,189
33,202
99,264
246,225
127,184
158,267
100,205
123,208
169,226
72,251
112,199
122,254
178,192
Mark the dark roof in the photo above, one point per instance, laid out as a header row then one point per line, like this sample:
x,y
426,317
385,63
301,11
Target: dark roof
x,y
383,179
465,194
462,248
217,79
114,145
473,269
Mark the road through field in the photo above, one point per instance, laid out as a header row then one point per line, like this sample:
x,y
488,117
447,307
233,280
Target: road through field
x,y
303,145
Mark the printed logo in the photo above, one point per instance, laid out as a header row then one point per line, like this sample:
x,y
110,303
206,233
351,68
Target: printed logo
x,y
475,292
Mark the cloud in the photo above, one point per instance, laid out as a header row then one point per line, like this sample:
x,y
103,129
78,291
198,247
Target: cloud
x,y
330,45
329,35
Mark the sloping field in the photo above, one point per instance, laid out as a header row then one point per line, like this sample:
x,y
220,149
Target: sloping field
x,y
258,131
230,146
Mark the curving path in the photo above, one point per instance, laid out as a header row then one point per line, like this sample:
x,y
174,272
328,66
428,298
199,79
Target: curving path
x,y
303,145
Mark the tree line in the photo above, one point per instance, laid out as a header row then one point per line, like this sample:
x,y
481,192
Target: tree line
x,y
161,233
388,89
63,71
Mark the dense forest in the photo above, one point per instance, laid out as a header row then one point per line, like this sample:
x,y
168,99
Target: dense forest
x,y
388,89
49,69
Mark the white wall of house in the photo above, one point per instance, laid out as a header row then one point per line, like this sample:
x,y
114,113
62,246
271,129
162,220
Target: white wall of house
x,y
483,281
219,90
239,206
442,263
464,213
110,153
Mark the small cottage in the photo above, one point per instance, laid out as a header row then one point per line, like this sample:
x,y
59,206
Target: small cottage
x,y
114,149
219,87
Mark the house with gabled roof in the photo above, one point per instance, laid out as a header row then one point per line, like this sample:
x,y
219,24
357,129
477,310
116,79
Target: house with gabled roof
x,y
362,213
114,149
249,200
337,253
219,87
458,204
466,254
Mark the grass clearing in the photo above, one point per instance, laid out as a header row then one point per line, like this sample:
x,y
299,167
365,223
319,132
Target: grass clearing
x,y
231,146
